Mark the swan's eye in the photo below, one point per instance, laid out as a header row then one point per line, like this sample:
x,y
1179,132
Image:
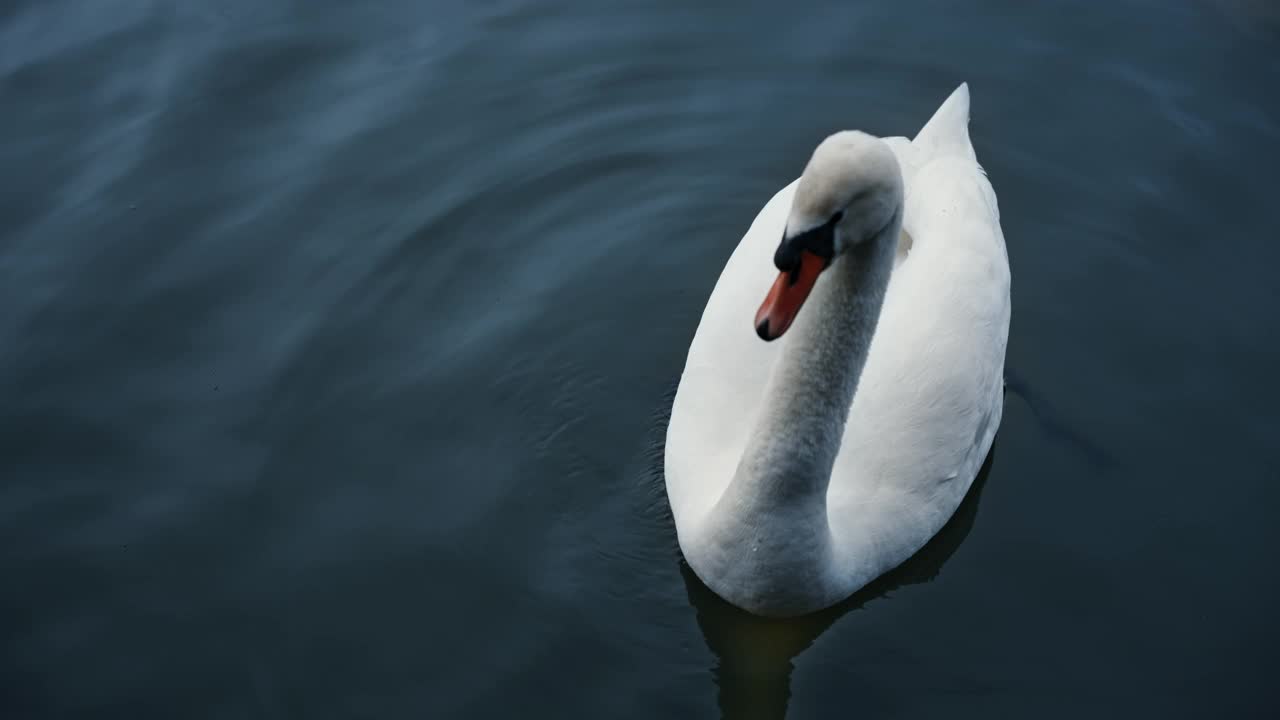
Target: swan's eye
x,y
835,219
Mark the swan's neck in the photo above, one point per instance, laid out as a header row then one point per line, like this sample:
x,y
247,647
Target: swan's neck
x,y
770,536
794,443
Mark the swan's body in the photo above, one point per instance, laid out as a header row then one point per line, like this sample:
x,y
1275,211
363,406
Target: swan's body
x,y
800,470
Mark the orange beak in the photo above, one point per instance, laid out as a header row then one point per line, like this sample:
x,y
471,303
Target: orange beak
x,y
786,297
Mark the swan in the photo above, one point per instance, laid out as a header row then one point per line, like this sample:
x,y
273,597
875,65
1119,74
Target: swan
x,y
808,457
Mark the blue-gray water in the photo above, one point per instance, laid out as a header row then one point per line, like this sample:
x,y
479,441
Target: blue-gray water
x,y
336,340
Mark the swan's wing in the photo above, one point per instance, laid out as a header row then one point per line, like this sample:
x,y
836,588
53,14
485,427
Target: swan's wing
x,y
929,399
725,373
909,158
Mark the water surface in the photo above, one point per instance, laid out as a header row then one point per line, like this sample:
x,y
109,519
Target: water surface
x,y
337,341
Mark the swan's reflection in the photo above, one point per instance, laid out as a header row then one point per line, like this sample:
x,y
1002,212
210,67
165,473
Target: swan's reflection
x,y
755,655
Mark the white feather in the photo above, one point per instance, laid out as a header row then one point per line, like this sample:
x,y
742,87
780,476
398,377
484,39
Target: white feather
x,y
923,417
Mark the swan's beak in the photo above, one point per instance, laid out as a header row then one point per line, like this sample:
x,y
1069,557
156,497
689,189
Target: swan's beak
x,y
787,296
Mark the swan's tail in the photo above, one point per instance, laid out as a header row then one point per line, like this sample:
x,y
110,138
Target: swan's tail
x,y
945,135
947,132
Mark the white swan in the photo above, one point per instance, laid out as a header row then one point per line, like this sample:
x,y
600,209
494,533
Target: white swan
x,y
800,470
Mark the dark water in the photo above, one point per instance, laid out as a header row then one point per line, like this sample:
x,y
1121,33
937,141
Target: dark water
x,y
336,340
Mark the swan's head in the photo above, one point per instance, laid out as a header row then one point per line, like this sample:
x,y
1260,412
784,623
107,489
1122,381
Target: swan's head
x,y
850,193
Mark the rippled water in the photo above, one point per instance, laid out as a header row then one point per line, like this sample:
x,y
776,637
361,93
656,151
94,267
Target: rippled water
x,y
337,341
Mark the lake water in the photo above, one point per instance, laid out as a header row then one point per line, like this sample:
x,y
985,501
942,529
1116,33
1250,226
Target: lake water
x,y
336,343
